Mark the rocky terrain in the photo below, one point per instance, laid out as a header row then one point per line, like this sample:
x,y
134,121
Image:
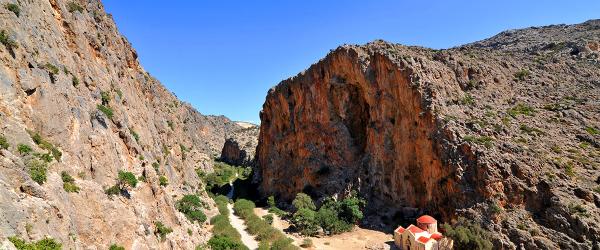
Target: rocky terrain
x,y
74,99
504,132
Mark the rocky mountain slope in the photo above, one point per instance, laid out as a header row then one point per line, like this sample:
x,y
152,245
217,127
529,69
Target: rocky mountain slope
x,y
73,93
504,132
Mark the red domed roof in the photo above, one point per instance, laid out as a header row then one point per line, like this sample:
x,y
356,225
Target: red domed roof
x,y
426,219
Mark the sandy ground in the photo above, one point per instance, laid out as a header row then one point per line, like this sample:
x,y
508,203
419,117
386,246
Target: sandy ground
x,y
359,238
238,224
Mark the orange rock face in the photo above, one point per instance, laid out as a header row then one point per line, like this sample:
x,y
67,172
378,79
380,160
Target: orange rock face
x,y
353,121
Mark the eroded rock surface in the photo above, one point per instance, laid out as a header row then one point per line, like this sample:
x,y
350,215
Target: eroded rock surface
x,y
65,59
502,131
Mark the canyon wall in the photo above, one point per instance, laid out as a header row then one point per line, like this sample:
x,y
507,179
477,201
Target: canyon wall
x,y
503,132
68,75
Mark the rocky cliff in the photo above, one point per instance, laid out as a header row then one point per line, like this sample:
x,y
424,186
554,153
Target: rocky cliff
x,y
74,93
504,132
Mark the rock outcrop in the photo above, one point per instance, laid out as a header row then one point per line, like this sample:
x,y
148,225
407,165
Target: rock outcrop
x,y
503,132
68,76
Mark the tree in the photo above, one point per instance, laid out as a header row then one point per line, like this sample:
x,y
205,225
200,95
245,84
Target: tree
x,y
126,179
302,200
328,219
219,242
191,206
305,221
467,235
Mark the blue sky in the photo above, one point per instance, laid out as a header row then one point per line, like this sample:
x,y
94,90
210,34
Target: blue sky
x,y
223,56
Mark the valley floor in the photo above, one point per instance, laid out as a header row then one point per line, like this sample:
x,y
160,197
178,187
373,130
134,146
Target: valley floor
x,y
359,238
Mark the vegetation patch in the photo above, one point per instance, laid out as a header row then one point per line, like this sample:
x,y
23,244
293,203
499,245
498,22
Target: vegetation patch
x,y
191,206
37,170
467,235
13,8
43,244
521,109
523,74
482,140
467,100
125,180
116,247
225,173
531,130
69,183
24,149
260,228
592,130
3,143
225,236
73,6
106,110
162,230
163,181
37,138
8,42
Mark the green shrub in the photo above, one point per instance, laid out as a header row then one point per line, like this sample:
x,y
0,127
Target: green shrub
x,y
268,218
263,245
222,175
53,70
13,8
37,138
119,93
106,110
156,166
44,157
114,190
305,221
72,7
37,170
75,81
43,244
162,180
8,42
592,130
522,74
467,100
69,183
243,208
467,235
3,143
24,149
171,125
191,206
283,243
328,220
105,97
162,230
306,243
274,209
303,201
482,140
569,169
125,179
219,242
116,247
521,109
134,134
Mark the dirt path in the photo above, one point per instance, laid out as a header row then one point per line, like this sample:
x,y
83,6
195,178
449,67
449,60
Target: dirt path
x,y
359,238
238,224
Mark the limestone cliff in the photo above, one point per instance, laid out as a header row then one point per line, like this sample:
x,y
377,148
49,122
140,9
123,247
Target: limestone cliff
x,y
68,76
504,132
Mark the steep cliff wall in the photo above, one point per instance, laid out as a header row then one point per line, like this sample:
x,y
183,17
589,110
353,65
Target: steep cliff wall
x,y
59,61
503,132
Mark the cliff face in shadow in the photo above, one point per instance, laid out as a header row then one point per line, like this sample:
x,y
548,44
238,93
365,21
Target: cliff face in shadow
x,y
502,131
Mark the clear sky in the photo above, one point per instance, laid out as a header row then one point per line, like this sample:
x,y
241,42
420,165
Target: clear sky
x,y
223,56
